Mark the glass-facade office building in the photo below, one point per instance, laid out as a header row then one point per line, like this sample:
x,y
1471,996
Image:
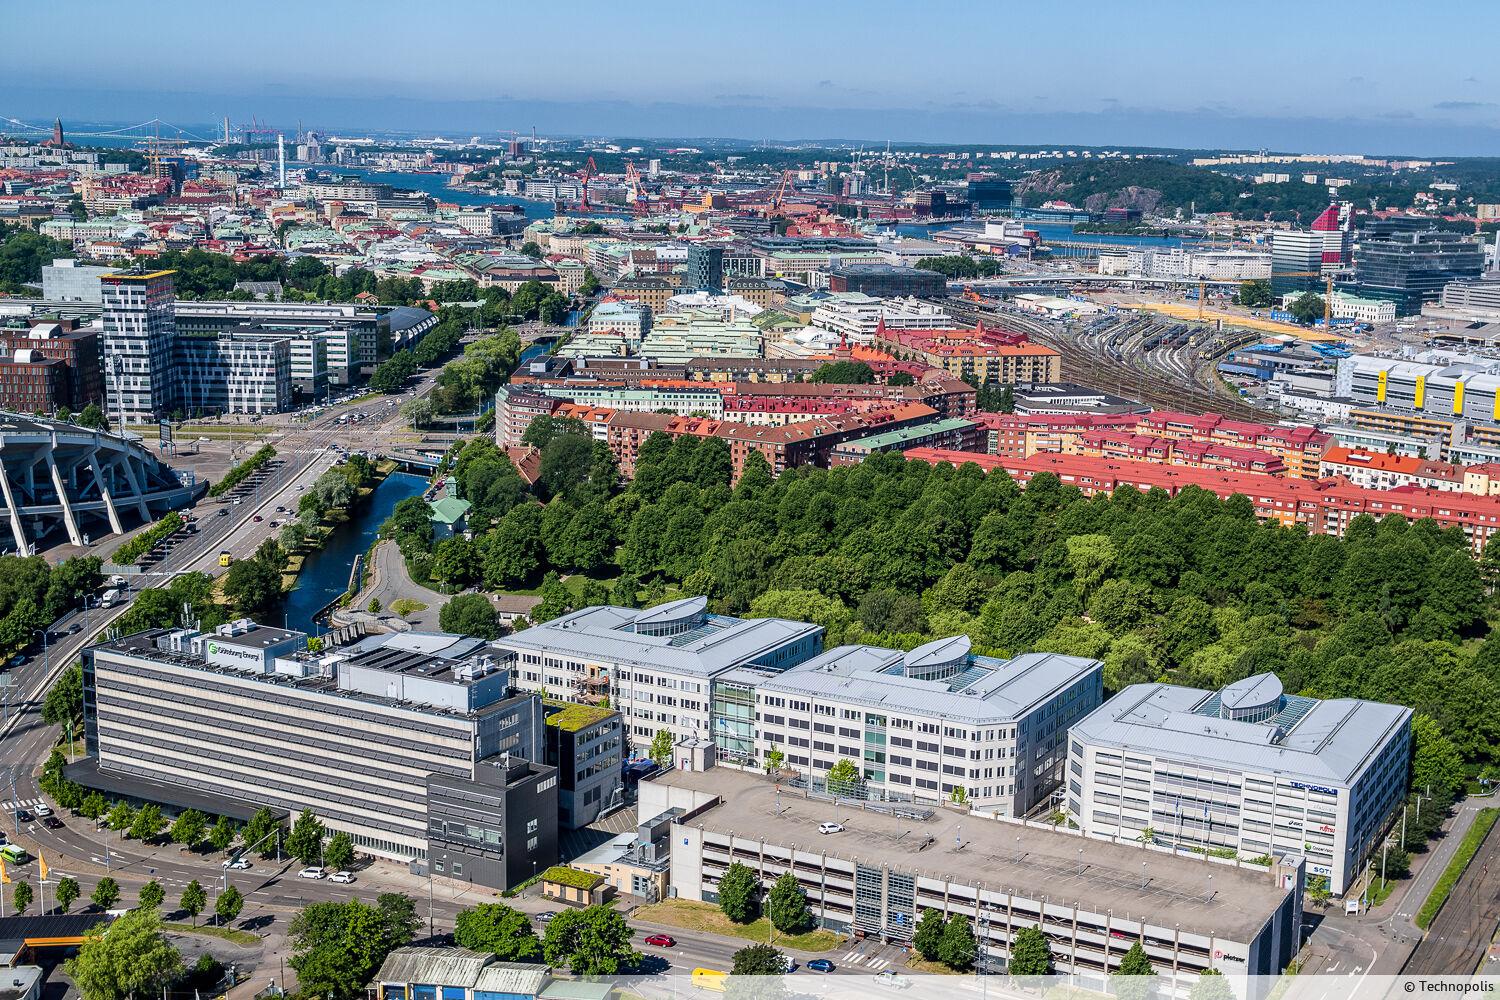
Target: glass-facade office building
x,y
1412,268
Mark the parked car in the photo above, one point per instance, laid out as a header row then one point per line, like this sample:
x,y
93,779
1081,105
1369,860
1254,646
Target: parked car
x,y
821,965
237,864
52,823
345,877
661,940
312,873
893,981
545,918
830,828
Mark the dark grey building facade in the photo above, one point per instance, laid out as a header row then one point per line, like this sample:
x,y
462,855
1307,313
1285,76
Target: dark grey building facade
x,y
498,828
1412,268
705,269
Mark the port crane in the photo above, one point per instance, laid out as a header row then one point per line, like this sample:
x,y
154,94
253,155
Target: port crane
x,y
589,172
636,194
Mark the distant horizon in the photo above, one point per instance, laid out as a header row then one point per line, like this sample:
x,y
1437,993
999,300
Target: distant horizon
x,y
1346,76
210,129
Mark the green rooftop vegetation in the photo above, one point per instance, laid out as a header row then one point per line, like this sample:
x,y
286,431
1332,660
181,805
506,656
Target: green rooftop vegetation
x,y
570,717
571,877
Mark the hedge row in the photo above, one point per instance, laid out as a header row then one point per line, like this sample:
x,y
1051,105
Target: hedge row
x,y
239,472
138,546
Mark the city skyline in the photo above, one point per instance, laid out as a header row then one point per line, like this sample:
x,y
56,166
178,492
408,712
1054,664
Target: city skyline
x,y
875,72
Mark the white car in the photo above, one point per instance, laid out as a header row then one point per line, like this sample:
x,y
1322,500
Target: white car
x,y
830,828
345,877
44,810
238,864
312,873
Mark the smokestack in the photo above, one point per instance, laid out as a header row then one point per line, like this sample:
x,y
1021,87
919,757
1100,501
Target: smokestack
x,y
281,160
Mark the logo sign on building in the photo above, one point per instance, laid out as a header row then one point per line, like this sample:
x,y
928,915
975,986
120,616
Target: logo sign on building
x,y
234,655
1315,788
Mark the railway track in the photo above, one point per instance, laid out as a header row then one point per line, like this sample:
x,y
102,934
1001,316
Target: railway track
x,y
1129,380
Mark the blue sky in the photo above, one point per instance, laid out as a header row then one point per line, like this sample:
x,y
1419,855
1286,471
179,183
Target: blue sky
x,y
1369,76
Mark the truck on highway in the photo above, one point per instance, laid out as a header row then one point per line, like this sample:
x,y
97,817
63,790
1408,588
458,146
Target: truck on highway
x,y
110,597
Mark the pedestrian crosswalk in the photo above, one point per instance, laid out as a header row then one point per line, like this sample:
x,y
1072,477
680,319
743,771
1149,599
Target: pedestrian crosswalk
x,y
875,961
17,804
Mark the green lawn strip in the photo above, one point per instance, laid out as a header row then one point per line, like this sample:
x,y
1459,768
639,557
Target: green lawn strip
x,y
227,933
1467,848
710,919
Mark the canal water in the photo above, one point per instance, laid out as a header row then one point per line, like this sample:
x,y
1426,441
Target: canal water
x,y
325,575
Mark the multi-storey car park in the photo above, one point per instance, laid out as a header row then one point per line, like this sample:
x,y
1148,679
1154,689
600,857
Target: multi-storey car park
x,y
935,722
1093,899
1247,769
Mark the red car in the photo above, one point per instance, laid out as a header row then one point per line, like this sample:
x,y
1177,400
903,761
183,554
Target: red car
x,y
660,941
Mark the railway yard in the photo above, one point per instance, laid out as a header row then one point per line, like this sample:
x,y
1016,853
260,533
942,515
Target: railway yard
x,y
1164,362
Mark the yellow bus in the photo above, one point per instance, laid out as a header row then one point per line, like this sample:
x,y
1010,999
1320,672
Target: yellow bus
x,y
709,979
225,558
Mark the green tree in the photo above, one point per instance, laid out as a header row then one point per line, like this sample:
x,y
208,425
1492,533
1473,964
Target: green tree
x,y
221,835
499,930
228,906
148,823
661,747
1030,954
193,900
127,957
106,893
958,947
189,829
339,853
844,373
254,587
338,947
758,960
151,895
121,816
1255,294
1306,308
64,701
844,777
93,805
1211,985
594,941
1435,760
67,893
787,906
21,896
93,417
1397,863
901,378
928,938
305,842
258,833
739,894
1134,979
471,614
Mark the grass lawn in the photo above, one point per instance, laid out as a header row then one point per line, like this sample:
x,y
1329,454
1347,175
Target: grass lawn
x,y
1467,848
404,606
227,933
574,583
916,963
710,919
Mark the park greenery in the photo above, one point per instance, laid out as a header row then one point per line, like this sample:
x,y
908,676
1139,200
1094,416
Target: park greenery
x,y
1255,294
23,253
960,265
471,614
242,471
593,941
127,957
138,546
1192,589
499,930
949,940
484,364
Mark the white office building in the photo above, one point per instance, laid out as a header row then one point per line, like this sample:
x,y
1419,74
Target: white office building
x,y
1248,769
66,280
935,722
857,316
657,666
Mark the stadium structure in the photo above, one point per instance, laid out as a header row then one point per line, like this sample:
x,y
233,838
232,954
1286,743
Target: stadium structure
x,y
58,477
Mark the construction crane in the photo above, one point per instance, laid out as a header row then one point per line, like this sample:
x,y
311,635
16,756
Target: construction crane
x,y
780,195
636,196
589,172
